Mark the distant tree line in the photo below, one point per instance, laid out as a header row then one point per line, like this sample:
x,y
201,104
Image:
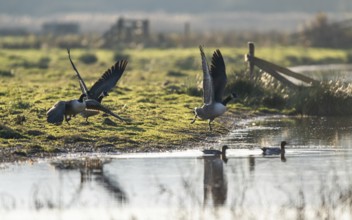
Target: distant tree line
x,y
319,32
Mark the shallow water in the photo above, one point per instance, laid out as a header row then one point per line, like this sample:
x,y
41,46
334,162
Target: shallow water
x,y
313,181
326,72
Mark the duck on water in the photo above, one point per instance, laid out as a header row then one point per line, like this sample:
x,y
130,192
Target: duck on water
x,y
217,153
214,83
275,150
89,103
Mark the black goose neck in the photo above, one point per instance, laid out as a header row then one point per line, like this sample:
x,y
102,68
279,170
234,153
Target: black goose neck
x,y
229,98
283,145
81,98
226,100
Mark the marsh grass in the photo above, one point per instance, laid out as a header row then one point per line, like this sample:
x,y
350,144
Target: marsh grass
x,y
263,93
6,73
8,133
328,98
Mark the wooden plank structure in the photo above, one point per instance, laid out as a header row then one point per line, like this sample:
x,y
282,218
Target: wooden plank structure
x,y
276,71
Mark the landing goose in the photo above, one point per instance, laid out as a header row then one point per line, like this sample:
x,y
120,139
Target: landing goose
x,y
102,86
90,100
214,82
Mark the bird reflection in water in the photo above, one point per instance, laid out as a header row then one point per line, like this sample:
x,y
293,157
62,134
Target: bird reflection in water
x,y
91,169
251,160
283,158
215,183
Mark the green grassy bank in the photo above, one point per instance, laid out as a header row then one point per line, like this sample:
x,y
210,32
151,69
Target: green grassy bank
x,y
158,92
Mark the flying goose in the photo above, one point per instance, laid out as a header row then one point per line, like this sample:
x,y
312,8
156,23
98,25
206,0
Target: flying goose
x,y
214,82
275,150
90,99
102,86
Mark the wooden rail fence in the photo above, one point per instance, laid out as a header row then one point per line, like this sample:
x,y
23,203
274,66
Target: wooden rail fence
x,y
276,71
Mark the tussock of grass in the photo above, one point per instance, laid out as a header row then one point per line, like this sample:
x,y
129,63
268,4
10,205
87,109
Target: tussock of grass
x,y
8,133
6,73
88,58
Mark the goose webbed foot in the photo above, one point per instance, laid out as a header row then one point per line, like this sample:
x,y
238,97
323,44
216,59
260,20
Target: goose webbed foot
x,y
195,118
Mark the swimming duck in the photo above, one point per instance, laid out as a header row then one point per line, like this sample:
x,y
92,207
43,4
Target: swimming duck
x,y
214,82
212,152
90,99
274,150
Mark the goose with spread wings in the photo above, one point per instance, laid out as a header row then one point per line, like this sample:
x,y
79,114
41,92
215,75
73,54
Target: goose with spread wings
x,y
101,87
89,103
214,83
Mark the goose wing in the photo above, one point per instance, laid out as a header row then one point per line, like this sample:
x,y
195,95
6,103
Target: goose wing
x,y
208,93
94,104
81,81
218,74
108,80
55,115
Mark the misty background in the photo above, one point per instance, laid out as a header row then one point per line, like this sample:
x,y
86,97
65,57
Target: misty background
x,y
168,16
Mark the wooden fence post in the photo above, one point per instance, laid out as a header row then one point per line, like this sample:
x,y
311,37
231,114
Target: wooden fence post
x,y
250,63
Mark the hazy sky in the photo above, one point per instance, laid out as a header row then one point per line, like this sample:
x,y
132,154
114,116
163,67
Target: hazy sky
x,y
47,7
171,15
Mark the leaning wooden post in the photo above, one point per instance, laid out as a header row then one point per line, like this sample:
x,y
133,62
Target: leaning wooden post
x,y
250,61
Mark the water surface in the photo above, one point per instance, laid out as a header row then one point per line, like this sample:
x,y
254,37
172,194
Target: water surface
x,y
326,72
313,181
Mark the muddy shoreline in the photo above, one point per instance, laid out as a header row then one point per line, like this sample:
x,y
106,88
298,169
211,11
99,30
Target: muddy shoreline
x,y
199,140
